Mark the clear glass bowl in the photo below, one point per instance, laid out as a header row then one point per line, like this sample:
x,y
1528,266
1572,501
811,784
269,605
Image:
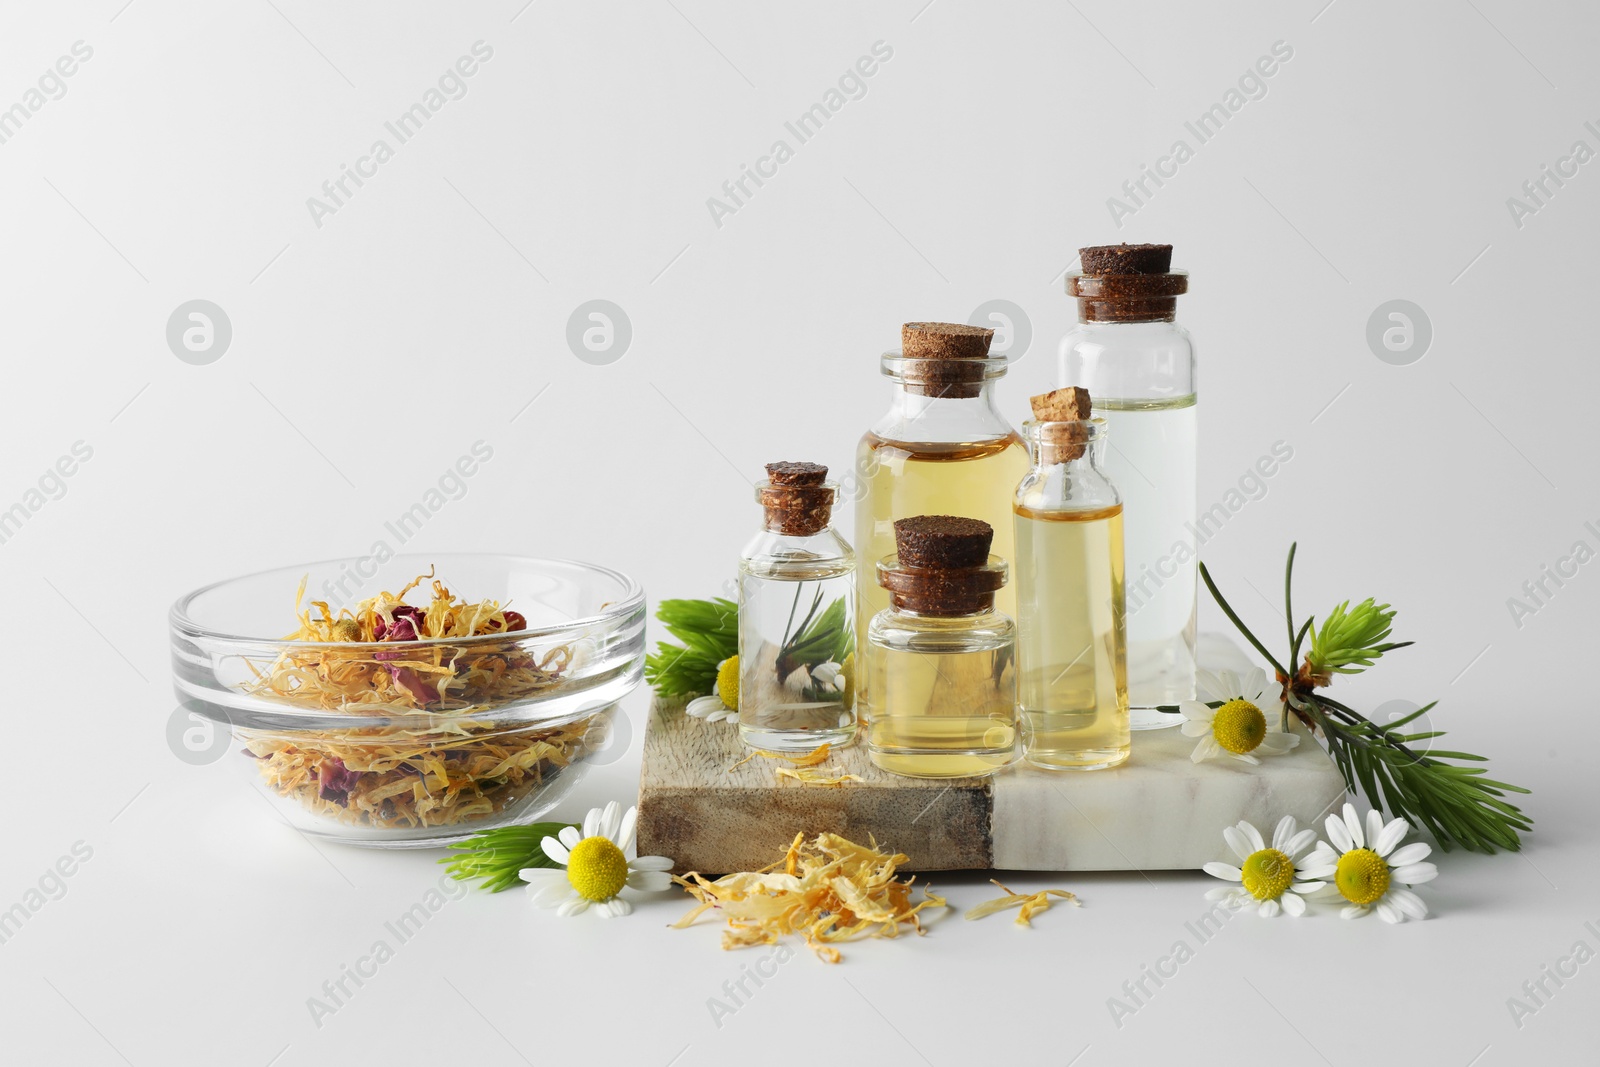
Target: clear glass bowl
x,y
521,711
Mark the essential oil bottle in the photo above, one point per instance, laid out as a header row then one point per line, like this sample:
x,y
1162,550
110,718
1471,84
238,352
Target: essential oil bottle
x,y
942,448
796,617
1138,364
941,681
1072,680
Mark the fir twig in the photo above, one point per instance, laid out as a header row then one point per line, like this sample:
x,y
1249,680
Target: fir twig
x,y
496,857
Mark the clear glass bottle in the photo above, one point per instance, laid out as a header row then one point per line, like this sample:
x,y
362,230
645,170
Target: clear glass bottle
x,y
1072,679
796,617
941,680
1139,365
942,448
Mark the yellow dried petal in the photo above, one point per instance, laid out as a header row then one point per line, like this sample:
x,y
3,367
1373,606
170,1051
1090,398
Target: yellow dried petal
x,y
809,777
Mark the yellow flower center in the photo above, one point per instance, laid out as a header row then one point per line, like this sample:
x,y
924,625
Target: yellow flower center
x,y
597,869
728,683
1239,726
1267,874
1362,876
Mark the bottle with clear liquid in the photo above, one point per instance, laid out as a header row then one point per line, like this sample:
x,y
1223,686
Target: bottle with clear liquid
x,y
1072,681
942,448
941,683
1138,363
797,617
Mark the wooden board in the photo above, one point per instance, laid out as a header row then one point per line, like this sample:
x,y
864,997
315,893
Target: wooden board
x,y
1159,811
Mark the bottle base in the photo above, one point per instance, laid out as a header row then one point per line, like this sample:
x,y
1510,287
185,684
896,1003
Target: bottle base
x,y
1101,759
773,740
911,764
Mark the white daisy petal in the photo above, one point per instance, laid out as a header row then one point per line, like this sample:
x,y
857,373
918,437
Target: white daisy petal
x,y
650,881
1223,871
1207,748
1388,912
555,850
1191,728
1294,904
1283,833
1196,711
650,863
628,827
1416,873
1210,685
1352,823
1308,888
550,894
569,836
610,821
1245,757
1412,853
1299,843
1374,828
1275,744
541,875
1252,835
1408,902
1222,892
1390,836
710,708
1253,685
575,906
1339,834
1237,841
1230,685
1268,909
1353,911
591,823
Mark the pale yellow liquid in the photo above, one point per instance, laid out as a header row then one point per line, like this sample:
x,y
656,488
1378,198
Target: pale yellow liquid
x,y
1072,674
941,715
976,480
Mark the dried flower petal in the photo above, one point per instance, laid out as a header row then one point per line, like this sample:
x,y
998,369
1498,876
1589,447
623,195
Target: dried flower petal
x,y
1030,904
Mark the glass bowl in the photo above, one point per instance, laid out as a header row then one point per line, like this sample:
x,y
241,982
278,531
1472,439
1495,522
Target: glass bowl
x,y
412,743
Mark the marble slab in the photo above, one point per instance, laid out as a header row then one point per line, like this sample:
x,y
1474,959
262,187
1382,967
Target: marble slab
x,y
1159,811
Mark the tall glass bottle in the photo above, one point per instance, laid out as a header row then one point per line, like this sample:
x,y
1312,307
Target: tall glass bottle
x,y
1138,363
1072,679
796,617
941,678
942,448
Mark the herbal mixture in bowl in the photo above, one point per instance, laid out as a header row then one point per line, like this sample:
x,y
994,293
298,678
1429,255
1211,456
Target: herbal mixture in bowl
x,y
412,717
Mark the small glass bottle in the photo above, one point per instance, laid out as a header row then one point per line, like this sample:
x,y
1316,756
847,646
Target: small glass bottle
x,y
1138,363
942,448
941,680
1072,678
796,617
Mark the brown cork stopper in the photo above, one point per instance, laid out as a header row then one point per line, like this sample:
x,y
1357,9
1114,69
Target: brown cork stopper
x,y
942,566
1063,433
1126,259
945,358
1127,283
785,472
796,499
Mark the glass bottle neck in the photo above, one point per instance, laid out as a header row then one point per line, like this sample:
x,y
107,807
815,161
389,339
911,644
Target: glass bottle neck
x,y
915,416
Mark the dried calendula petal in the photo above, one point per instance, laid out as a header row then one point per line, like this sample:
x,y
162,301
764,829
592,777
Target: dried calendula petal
x,y
806,776
1030,904
810,759
827,889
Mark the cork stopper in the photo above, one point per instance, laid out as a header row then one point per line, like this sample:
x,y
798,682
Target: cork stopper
x,y
1127,283
946,358
943,566
796,498
1063,415
1126,259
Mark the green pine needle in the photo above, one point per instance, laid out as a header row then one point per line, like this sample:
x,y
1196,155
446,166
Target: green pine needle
x,y
709,633
497,856
1426,786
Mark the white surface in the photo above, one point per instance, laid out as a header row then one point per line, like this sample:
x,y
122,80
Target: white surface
x,y
432,307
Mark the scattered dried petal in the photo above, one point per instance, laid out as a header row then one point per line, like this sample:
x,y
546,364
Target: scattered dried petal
x,y
810,759
1030,904
829,890
810,777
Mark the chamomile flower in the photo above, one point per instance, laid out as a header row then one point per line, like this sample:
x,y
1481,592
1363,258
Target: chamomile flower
x,y
1239,728
723,703
1267,876
1369,868
595,867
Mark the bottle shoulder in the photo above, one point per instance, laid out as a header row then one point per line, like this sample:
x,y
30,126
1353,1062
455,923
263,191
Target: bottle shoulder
x,y
822,553
907,631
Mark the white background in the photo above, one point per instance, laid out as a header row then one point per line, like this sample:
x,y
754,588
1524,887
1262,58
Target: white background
x,y
370,352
